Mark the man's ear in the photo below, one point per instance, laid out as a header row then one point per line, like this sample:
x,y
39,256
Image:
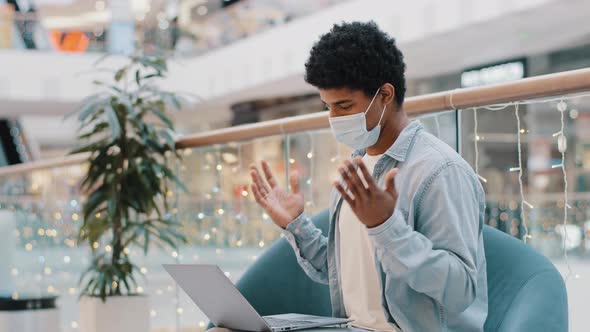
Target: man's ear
x,y
388,94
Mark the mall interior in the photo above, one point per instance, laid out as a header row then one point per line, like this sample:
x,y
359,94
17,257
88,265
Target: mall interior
x,y
202,89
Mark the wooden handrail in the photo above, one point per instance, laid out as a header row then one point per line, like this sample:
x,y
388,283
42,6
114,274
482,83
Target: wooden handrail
x,y
44,164
529,88
551,85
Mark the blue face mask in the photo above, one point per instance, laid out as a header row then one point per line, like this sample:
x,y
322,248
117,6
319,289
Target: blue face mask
x,y
352,129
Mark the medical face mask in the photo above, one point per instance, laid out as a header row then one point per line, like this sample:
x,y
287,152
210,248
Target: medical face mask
x,y
352,129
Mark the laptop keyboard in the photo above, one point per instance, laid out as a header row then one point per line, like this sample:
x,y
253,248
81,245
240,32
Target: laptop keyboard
x,y
277,322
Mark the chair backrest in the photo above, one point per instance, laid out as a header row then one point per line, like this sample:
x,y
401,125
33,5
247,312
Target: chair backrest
x,y
525,291
275,284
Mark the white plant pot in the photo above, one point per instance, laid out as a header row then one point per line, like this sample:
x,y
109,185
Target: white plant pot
x,y
117,314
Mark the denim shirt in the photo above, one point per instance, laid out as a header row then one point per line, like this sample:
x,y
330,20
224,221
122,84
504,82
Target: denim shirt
x,y
429,253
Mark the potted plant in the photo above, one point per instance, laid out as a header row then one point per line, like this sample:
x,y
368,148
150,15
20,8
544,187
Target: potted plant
x,y
128,135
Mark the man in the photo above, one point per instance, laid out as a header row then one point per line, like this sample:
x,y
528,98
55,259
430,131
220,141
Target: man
x,y
405,249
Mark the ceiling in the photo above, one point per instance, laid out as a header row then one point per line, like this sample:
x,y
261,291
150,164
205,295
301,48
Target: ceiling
x,y
549,27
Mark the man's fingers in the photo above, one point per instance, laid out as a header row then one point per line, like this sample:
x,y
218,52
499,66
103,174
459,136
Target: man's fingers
x,y
260,199
390,181
349,184
294,181
344,194
262,187
268,174
368,177
356,181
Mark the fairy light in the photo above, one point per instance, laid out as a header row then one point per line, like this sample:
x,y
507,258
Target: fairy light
x,y
523,201
562,147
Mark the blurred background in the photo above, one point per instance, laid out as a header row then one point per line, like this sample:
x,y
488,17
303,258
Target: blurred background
x,y
241,62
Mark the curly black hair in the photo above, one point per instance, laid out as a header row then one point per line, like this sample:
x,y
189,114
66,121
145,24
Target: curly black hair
x,y
358,56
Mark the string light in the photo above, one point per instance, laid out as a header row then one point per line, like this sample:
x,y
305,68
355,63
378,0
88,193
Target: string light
x,y
562,147
523,201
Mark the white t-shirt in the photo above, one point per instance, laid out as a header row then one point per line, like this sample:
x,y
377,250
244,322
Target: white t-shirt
x,y
361,290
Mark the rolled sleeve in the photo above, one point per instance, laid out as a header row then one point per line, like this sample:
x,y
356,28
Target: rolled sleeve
x,y
393,227
310,247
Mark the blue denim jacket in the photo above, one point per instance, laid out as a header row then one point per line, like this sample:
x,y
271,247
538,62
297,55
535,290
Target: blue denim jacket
x,y
429,253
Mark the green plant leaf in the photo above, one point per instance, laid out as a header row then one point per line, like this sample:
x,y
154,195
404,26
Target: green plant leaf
x,y
94,200
120,73
158,74
101,59
113,122
167,135
106,85
146,242
128,104
163,117
91,108
137,78
98,128
171,99
170,175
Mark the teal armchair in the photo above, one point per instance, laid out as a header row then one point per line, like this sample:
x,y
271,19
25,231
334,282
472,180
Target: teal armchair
x,y
525,291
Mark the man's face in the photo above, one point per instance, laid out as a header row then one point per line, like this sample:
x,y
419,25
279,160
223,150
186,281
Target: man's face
x,y
344,101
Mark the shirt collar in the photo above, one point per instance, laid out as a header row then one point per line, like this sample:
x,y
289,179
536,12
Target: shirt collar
x,y
399,149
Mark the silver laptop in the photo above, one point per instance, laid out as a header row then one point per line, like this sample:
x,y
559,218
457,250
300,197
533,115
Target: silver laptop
x,y
224,305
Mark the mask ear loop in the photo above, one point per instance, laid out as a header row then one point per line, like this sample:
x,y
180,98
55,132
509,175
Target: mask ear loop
x,y
372,100
382,113
384,107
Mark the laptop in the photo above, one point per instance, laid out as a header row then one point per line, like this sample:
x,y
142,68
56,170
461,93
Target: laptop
x,y
225,306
